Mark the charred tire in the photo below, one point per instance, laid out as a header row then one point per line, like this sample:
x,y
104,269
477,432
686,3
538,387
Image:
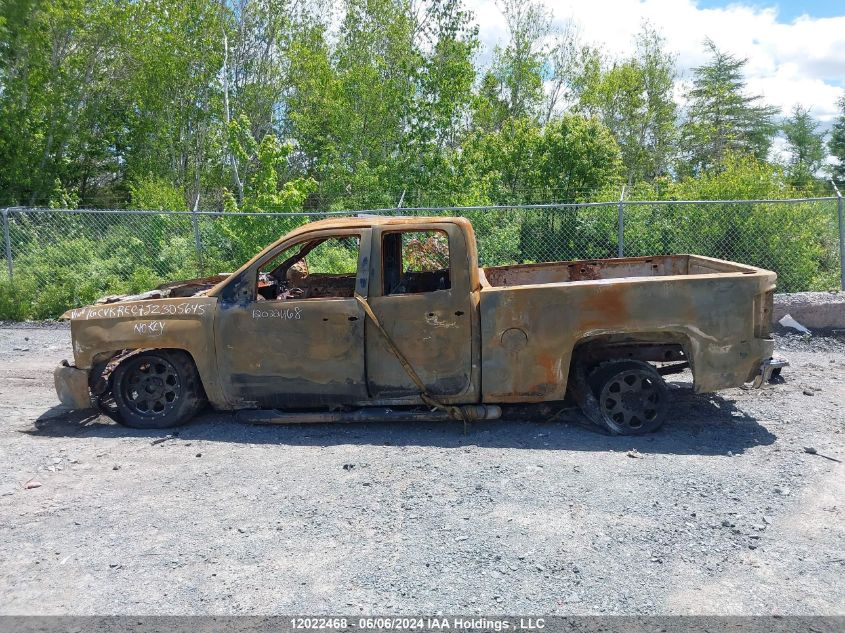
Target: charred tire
x,y
156,390
631,395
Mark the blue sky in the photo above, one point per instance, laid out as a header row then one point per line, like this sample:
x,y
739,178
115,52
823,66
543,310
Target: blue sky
x,y
788,11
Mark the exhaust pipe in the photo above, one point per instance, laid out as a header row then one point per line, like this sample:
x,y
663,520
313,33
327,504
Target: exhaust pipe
x,y
472,412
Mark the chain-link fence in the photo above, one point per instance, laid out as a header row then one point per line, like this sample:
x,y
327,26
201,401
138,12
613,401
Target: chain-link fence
x,y
60,258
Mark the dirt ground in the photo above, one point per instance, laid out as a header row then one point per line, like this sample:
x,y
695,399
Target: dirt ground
x,y
721,512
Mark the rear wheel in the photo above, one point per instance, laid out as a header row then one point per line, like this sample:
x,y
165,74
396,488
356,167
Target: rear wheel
x,y
631,396
156,390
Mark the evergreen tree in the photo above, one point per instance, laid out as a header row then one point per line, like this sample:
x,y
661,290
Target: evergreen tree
x,y
805,146
836,144
722,118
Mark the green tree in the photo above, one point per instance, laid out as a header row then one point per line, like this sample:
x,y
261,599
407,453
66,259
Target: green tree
x,y
447,41
836,143
524,162
633,98
721,117
490,108
374,110
805,146
795,240
570,67
314,105
265,165
256,38
268,187
156,194
172,95
513,87
351,103
58,116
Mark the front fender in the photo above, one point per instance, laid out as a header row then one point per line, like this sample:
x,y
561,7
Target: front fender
x,y
182,323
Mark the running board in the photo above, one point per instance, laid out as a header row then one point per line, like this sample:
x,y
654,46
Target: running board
x,y
472,412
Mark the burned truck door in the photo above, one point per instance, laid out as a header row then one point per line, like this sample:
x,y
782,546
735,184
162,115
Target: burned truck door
x,y
295,336
419,291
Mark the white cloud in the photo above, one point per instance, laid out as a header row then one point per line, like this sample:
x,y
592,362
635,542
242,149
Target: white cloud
x,y
802,62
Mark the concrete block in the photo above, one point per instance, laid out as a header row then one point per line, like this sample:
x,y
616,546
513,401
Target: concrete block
x,y
814,310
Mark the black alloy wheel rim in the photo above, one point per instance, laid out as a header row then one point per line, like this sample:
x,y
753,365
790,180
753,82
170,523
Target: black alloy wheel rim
x,y
631,399
151,387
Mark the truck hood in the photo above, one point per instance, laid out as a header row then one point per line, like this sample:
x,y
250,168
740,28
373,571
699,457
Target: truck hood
x,y
183,288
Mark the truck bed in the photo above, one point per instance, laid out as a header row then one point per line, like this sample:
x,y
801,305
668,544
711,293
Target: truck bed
x,y
534,317
598,269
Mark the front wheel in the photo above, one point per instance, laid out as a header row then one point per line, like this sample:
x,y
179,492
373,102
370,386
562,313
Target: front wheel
x,y
156,390
631,396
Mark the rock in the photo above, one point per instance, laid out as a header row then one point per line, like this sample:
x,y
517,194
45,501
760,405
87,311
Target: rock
x,y
788,321
348,466
116,467
199,454
808,392
634,453
32,484
767,519
811,450
726,523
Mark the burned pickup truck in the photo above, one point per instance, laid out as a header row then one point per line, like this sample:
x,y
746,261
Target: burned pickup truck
x,y
392,319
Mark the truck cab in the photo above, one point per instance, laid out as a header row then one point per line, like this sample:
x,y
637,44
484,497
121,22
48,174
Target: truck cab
x,y
290,333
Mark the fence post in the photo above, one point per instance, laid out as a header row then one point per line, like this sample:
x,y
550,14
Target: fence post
x,y
7,241
841,236
197,240
621,224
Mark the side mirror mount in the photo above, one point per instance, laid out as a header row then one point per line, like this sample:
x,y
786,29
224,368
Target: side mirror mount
x,y
239,290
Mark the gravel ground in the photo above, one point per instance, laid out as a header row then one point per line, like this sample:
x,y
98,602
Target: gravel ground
x,y
791,298
722,512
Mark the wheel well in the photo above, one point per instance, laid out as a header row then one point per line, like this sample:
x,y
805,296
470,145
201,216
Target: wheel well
x,y
591,353
106,362
656,347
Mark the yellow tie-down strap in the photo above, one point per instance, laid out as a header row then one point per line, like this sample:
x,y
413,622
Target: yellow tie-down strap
x,y
455,412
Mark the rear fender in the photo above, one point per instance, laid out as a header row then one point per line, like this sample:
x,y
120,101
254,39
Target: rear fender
x,y
660,346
